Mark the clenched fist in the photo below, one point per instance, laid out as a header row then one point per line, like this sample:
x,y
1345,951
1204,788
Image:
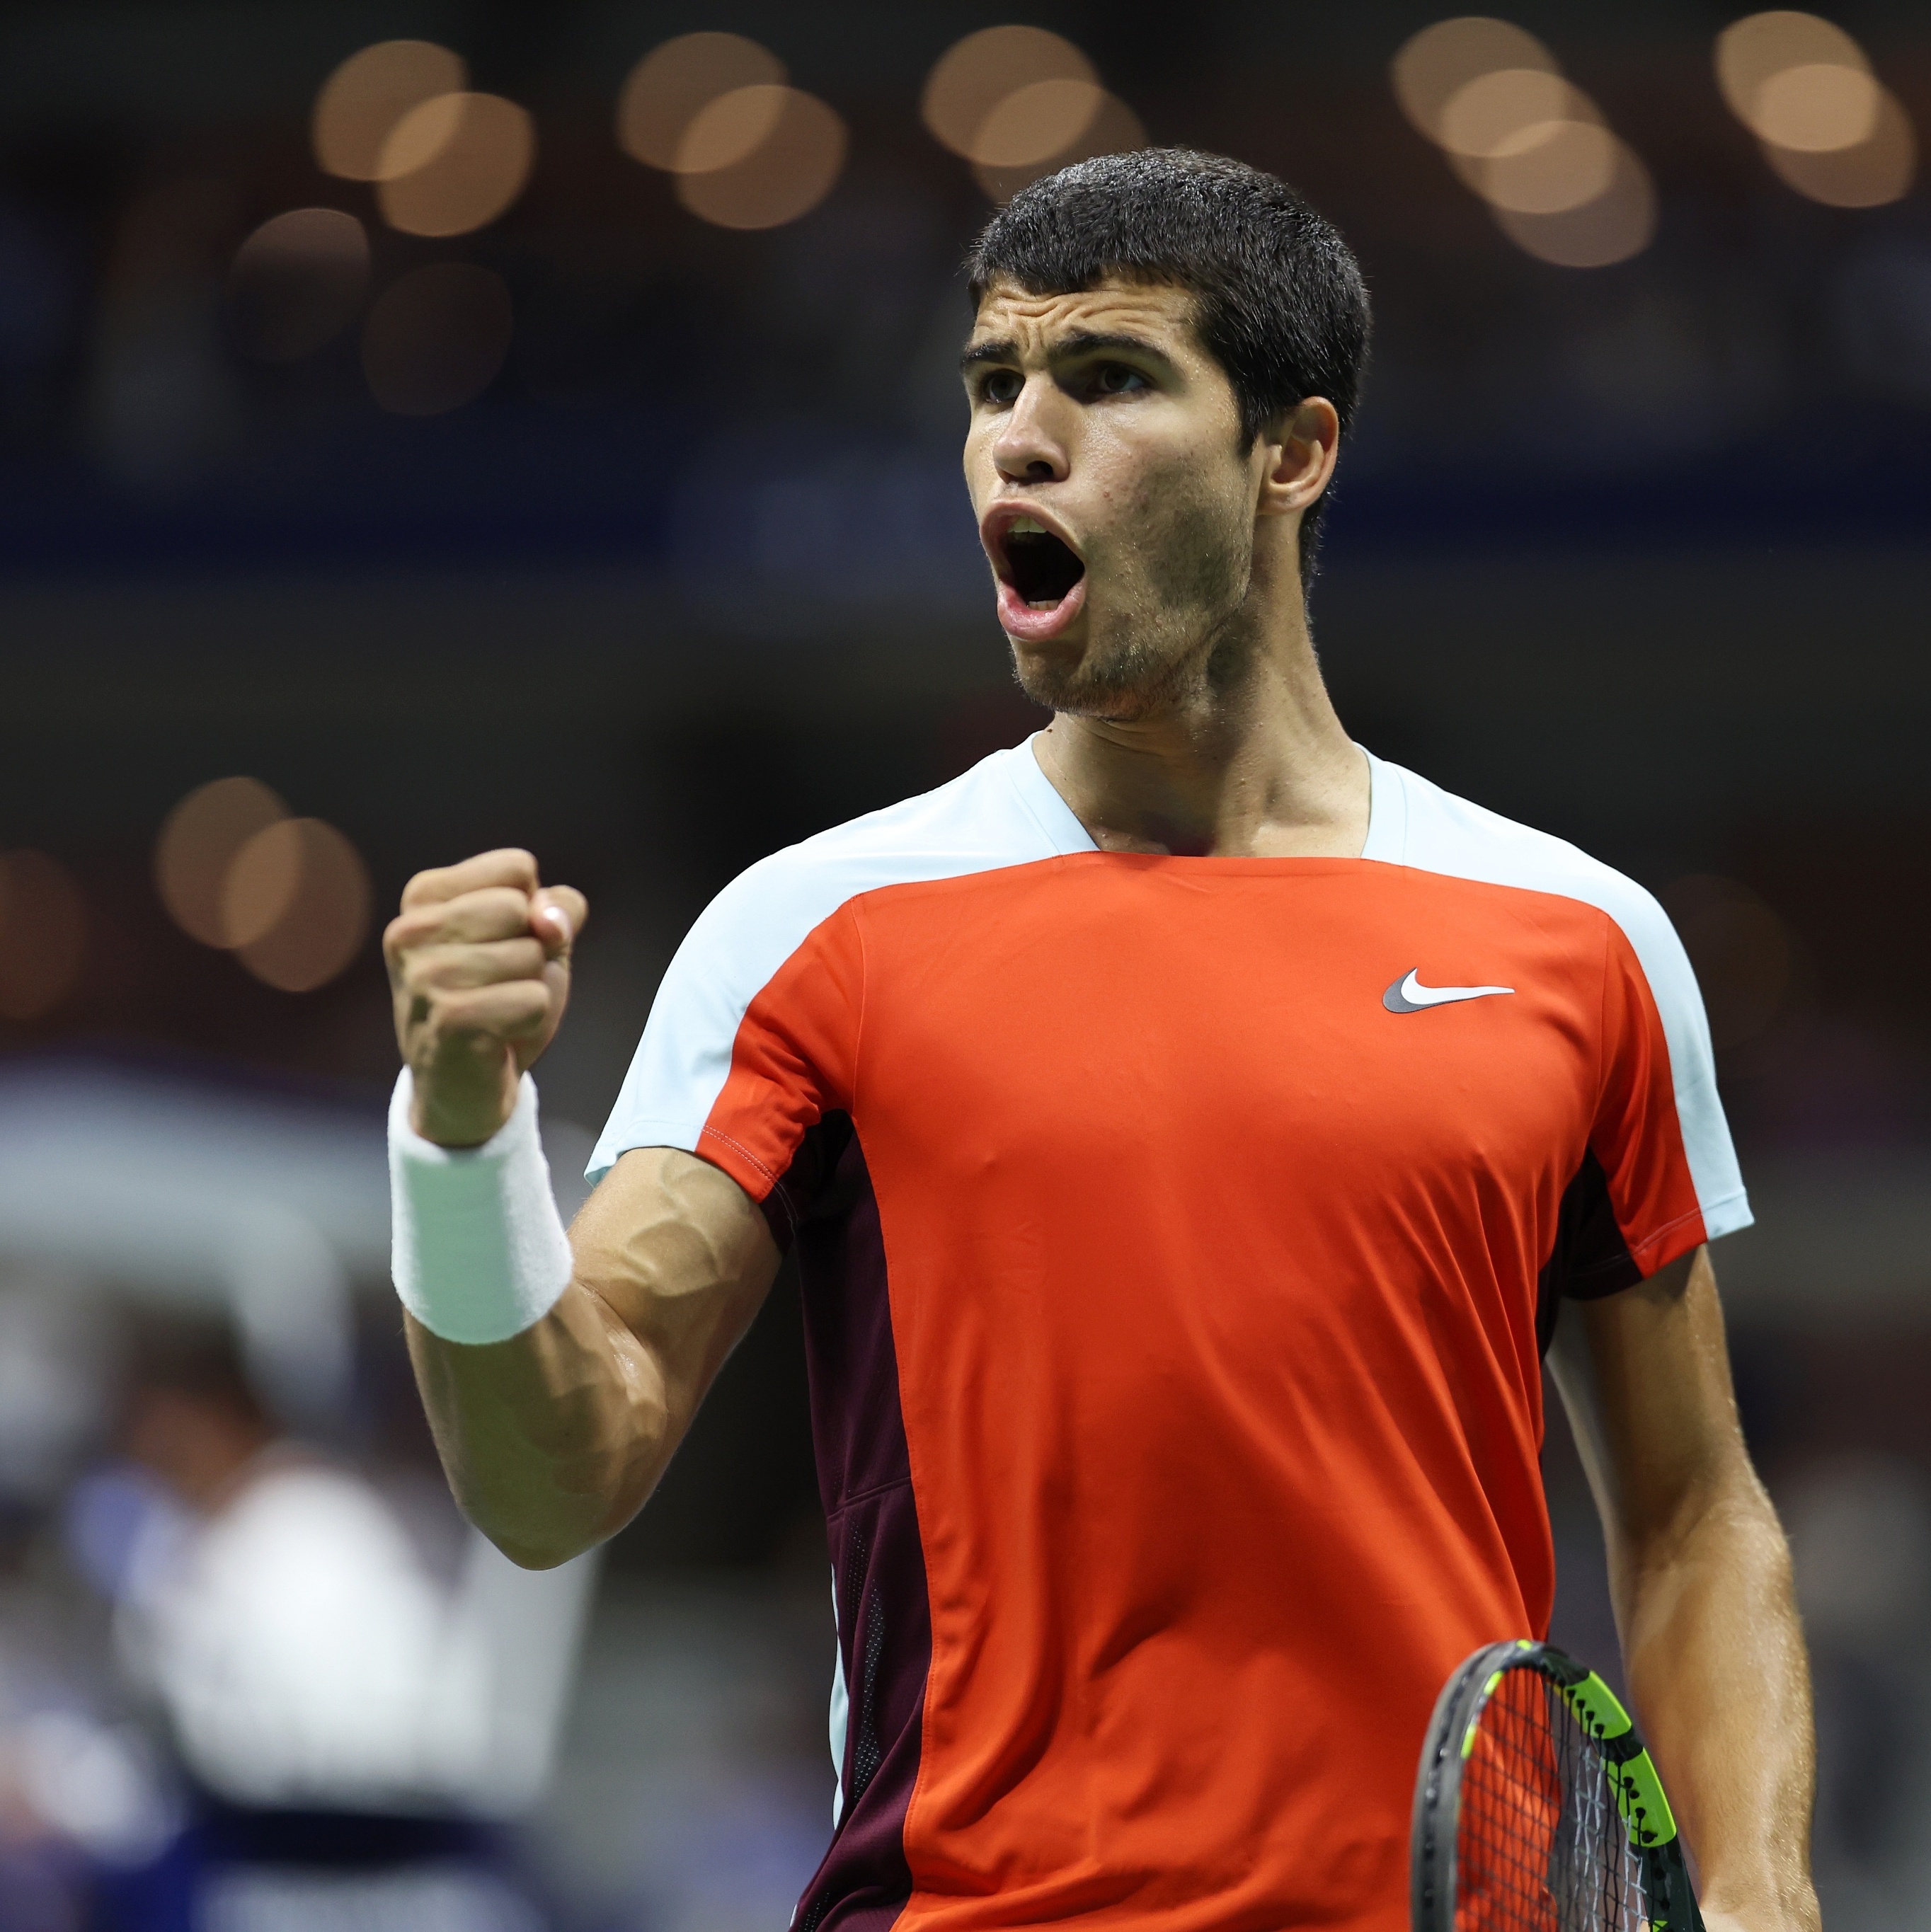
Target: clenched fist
x,y
479,967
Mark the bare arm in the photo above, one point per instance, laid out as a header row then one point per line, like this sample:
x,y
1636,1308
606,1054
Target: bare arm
x,y
554,1439
1700,1574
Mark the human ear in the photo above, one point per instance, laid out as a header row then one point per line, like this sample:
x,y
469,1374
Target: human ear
x,y
1297,451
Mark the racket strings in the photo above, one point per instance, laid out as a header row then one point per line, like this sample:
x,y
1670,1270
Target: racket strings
x,y
1539,1845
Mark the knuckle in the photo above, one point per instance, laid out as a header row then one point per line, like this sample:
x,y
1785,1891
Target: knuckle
x,y
423,886
457,1016
495,911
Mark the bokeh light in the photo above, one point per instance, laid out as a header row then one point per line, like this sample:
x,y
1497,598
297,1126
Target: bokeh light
x,y
42,935
198,843
673,84
1432,67
1827,126
974,77
297,897
296,283
436,338
1036,121
1614,226
1490,114
1533,145
1817,109
1115,129
420,136
1551,168
1743,952
1753,51
458,162
361,103
289,897
1873,173
789,171
731,128
260,881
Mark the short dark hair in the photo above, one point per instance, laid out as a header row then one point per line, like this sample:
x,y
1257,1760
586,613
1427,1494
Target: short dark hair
x,y
1281,302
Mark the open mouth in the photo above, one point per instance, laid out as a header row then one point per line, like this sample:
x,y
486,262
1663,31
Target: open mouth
x,y
1041,567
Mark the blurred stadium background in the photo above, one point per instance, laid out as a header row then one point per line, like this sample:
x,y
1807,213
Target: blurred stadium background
x,y
426,427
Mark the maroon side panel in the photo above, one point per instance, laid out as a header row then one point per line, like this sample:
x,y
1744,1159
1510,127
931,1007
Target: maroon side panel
x,y
885,1622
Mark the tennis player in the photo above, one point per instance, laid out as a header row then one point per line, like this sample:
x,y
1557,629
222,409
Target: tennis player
x,y
1192,1130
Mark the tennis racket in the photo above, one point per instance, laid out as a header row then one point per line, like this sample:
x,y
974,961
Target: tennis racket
x,y
1538,1809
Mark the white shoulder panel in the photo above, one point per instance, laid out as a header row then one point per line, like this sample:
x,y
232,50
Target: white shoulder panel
x,y
1416,823
1001,812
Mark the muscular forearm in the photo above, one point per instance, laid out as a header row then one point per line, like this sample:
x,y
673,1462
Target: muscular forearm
x,y
554,1439
558,1372
1701,1574
1716,1661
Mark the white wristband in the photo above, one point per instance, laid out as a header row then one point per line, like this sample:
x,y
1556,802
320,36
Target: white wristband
x,y
478,1249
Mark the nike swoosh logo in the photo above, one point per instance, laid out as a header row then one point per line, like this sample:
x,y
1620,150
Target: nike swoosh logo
x,y
1409,995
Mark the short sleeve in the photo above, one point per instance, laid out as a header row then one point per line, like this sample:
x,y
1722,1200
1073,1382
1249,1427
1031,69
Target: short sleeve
x,y
744,1053
1660,1176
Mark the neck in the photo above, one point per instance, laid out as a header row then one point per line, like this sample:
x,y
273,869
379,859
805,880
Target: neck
x,y
1253,763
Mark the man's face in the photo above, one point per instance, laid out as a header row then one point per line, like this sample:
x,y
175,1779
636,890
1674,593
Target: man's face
x,y
1114,499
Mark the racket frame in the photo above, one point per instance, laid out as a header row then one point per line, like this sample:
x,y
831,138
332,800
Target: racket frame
x,y
1640,1805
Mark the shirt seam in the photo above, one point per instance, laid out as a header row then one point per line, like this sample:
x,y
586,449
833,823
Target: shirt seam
x,y
1602,1028
1401,788
864,997
776,1185
870,1490
685,1125
1054,850
1656,1234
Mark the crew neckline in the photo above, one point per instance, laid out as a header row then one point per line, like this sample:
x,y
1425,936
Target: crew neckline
x,y
1387,819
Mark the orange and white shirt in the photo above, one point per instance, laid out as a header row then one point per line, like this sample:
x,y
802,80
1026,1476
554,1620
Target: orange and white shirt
x,y
1179,1238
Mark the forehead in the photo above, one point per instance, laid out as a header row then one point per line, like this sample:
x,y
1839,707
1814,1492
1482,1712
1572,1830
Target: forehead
x,y
1158,312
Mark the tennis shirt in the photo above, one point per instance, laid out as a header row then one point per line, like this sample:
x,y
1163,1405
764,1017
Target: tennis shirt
x,y
1179,1238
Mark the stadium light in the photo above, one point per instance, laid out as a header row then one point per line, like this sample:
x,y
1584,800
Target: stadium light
x,y
1020,102
453,164
1824,123
673,85
298,899
716,110
759,156
289,897
197,843
361,103
1560,183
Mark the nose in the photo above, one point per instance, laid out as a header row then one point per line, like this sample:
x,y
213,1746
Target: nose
x,y
1031,447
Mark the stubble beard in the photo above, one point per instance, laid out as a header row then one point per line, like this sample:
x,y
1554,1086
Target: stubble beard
x,y
1177,600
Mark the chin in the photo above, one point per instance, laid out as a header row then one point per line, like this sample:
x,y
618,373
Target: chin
x,y
1122,683
1062,680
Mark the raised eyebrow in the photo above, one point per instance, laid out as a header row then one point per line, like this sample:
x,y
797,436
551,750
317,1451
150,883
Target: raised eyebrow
x,y
974,353
1089,342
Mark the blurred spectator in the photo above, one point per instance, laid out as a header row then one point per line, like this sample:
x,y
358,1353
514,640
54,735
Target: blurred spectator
x,y
353,1732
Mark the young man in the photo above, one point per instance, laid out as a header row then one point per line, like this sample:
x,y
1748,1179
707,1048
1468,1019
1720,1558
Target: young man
x,y
1191,1129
